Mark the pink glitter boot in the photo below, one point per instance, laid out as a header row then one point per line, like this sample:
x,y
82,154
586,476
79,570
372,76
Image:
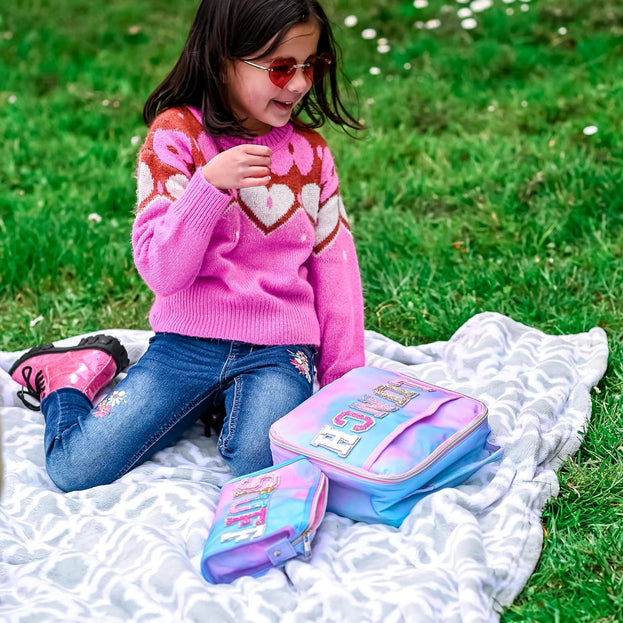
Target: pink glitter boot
x,y
87,367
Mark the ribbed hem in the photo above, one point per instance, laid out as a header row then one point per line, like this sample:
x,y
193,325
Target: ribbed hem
x,y
258,322
202,204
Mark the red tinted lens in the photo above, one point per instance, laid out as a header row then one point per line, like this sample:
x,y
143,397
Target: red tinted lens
x,y
281,71
319,66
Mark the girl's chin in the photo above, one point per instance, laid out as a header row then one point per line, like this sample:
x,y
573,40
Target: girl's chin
x,y
277,115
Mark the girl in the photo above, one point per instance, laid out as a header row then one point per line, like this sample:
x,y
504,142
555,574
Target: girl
x,y
242,236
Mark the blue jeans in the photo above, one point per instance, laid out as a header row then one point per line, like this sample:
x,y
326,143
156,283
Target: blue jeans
x,y
176,381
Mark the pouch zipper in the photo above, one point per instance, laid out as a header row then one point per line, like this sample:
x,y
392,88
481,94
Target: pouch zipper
x,y
305,536
440,451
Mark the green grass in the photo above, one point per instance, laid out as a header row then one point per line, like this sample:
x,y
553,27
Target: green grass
x,y
474,188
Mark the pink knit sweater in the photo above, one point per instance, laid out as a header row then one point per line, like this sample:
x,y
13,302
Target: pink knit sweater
x,y
269,265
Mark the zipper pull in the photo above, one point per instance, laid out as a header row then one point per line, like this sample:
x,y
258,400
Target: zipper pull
x,y
306,546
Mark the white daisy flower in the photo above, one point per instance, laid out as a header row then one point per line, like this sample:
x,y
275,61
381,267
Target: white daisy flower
x,y
35,321
478,6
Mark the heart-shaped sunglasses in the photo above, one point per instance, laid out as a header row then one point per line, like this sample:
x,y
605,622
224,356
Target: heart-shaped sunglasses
x,y
282,70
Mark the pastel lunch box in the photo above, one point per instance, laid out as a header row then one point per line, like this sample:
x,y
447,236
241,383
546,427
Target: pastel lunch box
x,y
385,440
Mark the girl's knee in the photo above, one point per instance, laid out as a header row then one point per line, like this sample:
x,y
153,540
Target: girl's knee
x,y
73,478
243,463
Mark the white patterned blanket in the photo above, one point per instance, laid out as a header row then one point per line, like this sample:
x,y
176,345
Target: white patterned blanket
x,y
130,551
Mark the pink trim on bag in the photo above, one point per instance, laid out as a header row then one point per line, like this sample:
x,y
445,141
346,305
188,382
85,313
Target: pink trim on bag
x,y
432,409
319,503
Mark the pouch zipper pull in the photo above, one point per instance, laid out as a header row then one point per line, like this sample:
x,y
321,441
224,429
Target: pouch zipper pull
x,y
306,545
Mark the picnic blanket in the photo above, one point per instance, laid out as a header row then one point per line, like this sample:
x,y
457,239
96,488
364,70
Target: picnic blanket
x,y
130,551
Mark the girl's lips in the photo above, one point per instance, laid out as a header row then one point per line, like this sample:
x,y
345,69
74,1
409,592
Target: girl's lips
x,y
284,105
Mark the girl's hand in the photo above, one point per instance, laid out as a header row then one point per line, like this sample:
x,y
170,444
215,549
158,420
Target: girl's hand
x,y
239,167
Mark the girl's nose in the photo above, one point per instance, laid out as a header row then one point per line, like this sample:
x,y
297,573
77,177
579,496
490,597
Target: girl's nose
x,y
299,83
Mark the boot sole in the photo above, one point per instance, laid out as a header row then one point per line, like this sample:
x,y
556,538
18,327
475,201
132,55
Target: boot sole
x,y
106,343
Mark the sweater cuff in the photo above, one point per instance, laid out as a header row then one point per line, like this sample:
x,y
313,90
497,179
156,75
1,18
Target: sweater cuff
x,y
201,204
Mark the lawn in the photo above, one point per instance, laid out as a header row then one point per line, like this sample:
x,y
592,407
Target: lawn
x,y
488,178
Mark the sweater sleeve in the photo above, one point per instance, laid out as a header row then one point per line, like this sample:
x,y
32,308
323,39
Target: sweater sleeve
x,y
334,276
177,209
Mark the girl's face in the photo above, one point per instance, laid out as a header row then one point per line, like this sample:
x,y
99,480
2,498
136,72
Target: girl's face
x,y
255,99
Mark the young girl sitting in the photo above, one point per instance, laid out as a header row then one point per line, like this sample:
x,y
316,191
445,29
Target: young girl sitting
x,y
241,234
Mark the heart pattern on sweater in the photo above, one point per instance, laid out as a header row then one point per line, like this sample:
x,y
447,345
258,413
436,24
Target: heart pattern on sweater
x,y
268,207
310,198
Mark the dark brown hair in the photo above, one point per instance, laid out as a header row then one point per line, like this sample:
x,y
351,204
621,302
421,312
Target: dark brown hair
x,y
226,30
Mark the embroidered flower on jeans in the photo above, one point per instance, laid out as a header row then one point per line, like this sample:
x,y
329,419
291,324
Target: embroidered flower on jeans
x,y
114,399
301,363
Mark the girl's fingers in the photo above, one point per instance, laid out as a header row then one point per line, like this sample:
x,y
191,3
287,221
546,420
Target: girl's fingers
x,y
259,150
249,182
258,155
258,171
259,161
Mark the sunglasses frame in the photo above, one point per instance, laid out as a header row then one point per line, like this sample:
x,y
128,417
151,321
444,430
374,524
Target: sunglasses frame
x,y
280,78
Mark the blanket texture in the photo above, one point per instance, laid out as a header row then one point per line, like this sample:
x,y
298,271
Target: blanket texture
x,y
130,551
